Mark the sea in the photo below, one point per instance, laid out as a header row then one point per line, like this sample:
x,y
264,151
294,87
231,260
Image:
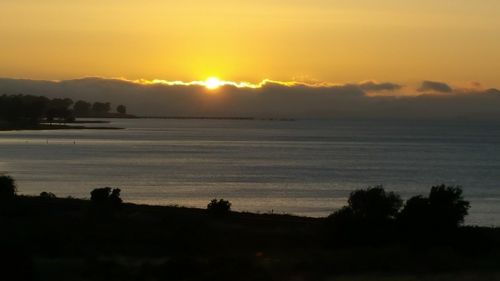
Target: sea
x,y
300,167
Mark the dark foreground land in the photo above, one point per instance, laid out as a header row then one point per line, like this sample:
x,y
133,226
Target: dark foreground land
x,y
69,239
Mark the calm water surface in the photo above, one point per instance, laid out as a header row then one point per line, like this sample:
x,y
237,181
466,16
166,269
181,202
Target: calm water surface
x,y
305,167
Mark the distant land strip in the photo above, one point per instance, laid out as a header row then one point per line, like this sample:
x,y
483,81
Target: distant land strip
x,y
215,118
56,127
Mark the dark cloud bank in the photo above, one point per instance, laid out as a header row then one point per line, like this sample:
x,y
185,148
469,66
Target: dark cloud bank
x,y
435,86
436,101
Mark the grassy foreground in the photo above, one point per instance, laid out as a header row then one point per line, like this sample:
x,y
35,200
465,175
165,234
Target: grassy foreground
x,y
71,239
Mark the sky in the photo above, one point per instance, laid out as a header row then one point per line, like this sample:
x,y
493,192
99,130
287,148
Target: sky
x,y
311,41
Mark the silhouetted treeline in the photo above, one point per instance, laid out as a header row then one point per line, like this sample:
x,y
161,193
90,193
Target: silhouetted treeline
x,y
83,108
86,109
29,110
383,215
445,207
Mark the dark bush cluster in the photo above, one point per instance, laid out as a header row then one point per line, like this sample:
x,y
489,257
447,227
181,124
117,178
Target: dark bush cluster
x,y
372,209
106,196
219,207
443,209
374,204
47,195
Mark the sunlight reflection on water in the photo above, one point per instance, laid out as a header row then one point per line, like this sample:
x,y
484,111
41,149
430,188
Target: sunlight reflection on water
x,y
304,167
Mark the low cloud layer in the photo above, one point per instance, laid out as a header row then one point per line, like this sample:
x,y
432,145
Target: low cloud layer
x,y
433,86
371,86
367,100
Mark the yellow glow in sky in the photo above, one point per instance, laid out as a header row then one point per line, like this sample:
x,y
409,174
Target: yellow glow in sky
x,y
213,83
296,40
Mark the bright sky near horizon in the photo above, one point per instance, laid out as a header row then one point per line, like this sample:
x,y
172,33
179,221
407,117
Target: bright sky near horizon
x,y
456,41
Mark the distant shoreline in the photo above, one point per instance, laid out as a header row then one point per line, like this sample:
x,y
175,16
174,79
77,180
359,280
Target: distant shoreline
x,y
89,122
43,127
129,116
216,118
107,116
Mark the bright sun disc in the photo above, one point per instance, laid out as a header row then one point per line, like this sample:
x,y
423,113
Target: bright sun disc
x,y
213,83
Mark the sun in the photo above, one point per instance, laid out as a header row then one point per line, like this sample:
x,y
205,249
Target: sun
x,y
213,83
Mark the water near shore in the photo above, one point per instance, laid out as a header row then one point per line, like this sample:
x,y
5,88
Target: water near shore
x,y
305,167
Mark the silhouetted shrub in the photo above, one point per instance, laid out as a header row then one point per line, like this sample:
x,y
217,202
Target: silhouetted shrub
x,y
444,209
219,207
8,189
374,204
115,196
416,213
100,194
448,206
369,205
106,196
47,195
370,210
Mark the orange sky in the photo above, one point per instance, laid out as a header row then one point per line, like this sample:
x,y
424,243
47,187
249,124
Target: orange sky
x,y
335,41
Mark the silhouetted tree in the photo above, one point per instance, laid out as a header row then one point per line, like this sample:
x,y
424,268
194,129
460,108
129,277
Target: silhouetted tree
x,y
106,196
445,208
82,108
21,109
100,107
51,114
59,109
219,207
8,189
47,195
448,205
374,204
115,197
121,109
371,209
34,108
11,108
100,194
416,213
61,103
